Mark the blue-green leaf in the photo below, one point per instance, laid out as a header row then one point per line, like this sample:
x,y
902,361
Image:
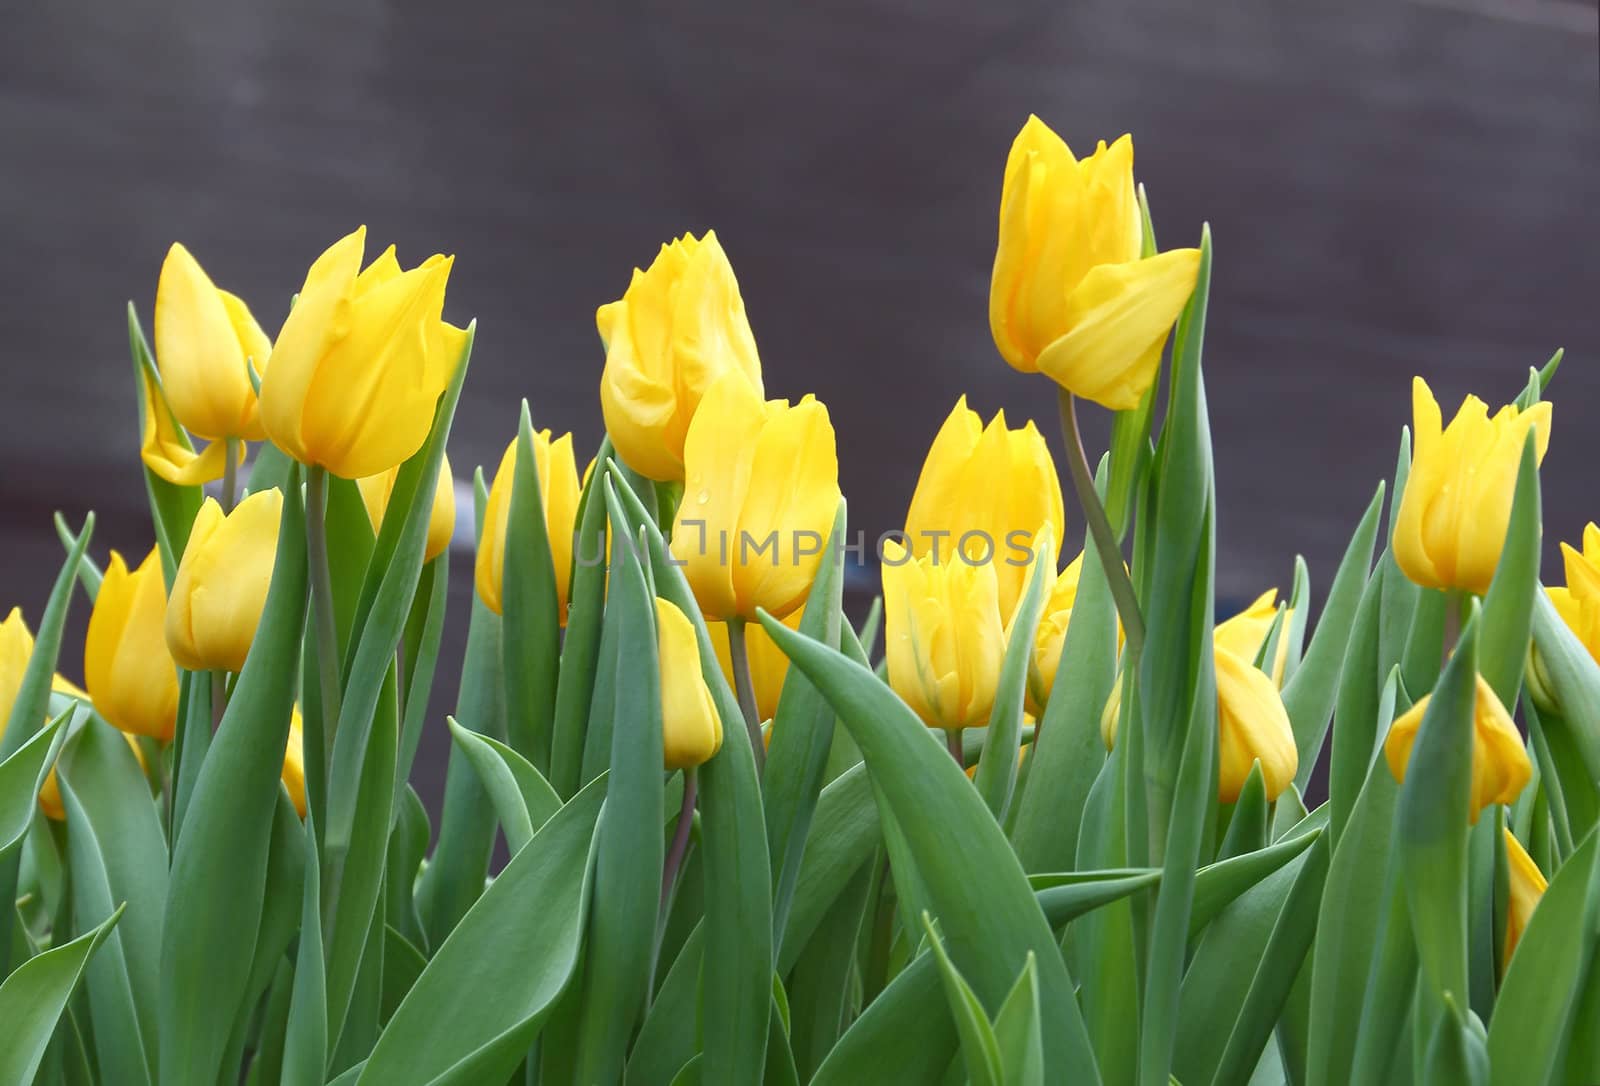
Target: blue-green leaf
x,y
531,625
34,996
522,797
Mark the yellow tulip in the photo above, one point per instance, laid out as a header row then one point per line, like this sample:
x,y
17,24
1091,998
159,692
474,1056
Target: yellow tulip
x,y
16,646
679,327
1070,297
1527,887
294,764
1457,504
758,502
768,665
691,731
558,494
943,637
375,491
1500,766
1578,603
163,449
203,338
50,792
221,585
361,361
127,667
1246,632
990,490
1052,632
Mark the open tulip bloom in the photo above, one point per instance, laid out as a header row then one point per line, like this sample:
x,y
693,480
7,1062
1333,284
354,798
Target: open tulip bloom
x,y
1072,821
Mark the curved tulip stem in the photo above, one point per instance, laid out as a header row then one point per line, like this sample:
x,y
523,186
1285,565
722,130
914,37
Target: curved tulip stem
x,y
680,837
746,691
322,602
952,742
232,447
1105,540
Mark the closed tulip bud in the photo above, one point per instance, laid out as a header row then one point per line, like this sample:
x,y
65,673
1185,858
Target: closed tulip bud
x,y
294,764
1457,504
375,491
1246,633
50,792
1500,766
679,327
127,667
361,361
16,646
558,494
204,336
943,637
1578,603
1527,887
1071,297
759,500
222,582
164,449
768,665
989,490
691,731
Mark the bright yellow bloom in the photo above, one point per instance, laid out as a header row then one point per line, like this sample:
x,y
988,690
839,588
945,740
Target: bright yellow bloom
x,y
1579,602
294,764
50,792
1500,766
679,327
768,665
1527,887
558,494
375,491
691,731
361,361
1245,633
163,449
222,582
1070,297
126,664
1457,503
991,491
759,500
203,338
16,646
943,637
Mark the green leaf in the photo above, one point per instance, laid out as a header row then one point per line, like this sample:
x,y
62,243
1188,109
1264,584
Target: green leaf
x,y
1217,885
34,996
219,865
1299,618
1018,1033
1130,430
192,741
522,797
996,776
305,1045
1067,895
419,657
531,624
172,507
978,1046
1360,691
985,907
89,574
22,774
820,986
1456,1055
480,1002
403,963
1508,606
904,1035
30,704
1247,825
1574,680
844,835
667,1040
408,846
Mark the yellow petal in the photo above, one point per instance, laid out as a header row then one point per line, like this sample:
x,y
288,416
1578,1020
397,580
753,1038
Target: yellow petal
x,y
127,666
164,450
294,764
1245,633
221,585
1252,725
1500,766
1527,884
691,731
489,566
199,350
377,489
16,646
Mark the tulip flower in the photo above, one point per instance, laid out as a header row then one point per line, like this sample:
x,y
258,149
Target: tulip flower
x,y
989,490
361,361
679,327
1527,887
16,646
1500,766
768,665
1457,504
204,337
375,492
294,764
759,500
1578,603
1071,297
50,792
943,637
127,666
558,494
1246,633
691,731
221,585
164,449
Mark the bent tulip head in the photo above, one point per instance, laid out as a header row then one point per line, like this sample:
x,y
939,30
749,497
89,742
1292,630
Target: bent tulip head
x,y
558,495
127,667
375,492
680,325
691,731
361,361
164,448
1457,503
221,585
1500,766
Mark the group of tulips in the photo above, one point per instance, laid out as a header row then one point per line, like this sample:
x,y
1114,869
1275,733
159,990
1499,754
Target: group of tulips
x,y
740,852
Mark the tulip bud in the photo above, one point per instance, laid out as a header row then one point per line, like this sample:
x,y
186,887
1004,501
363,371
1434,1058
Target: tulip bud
x,y
943,638
221,585
1457,503
361,361
691,731
990,491
50,792
759,501
126,664
1071,296
679,327
1578,603
1052,633
1500,766
204,336
16,646
375,492
768,665
294,764
558,494
1527,887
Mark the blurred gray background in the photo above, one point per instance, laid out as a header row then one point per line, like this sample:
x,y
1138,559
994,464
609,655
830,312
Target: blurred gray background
x,y
1395,188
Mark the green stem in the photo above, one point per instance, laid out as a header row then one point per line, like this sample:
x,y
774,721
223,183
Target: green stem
x,y
1105,540
230,472
952,742
680,838
322,604
746,690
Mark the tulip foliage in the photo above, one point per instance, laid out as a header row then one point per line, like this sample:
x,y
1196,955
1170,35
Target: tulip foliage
x,y
1070,825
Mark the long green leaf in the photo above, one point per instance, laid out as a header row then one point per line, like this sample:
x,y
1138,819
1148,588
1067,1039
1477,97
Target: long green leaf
x,y
1508,606
904,1035
522,797
305,1046
22,774
844,835
532,628
580,648
978,1047
1574,679
996,776
667,1039
33,998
